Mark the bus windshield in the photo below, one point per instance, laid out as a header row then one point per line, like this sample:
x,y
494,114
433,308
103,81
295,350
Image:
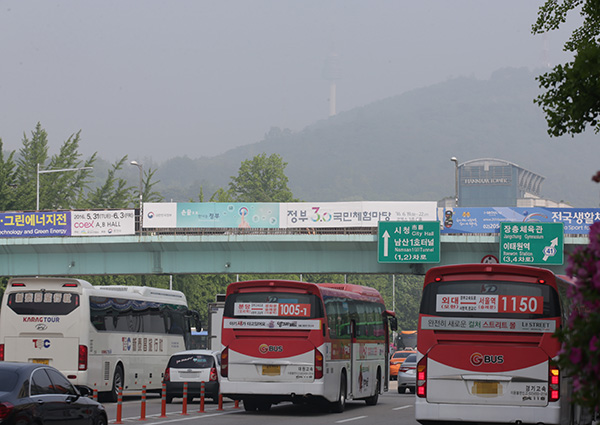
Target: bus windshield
x,y
273,305
480,298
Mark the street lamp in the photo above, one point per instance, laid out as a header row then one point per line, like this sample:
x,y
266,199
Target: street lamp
x,y
37,201
455,160
141,168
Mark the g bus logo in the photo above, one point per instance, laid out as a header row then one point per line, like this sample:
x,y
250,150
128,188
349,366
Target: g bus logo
x,y
265,348
477,359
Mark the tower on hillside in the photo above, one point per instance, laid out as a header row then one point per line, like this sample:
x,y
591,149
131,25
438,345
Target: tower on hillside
x,y
332,72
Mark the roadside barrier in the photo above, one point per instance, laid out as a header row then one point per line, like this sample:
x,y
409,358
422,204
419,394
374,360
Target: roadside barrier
x,y
236,405
220,402
185,396
143,412
119,406
95,394
163,401
201,397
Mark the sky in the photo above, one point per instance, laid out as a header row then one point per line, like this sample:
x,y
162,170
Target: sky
x,y
160,79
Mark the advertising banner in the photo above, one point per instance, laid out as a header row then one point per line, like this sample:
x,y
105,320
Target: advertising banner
x,y
228,215
102,223
353,214
161,215
577,221
35,224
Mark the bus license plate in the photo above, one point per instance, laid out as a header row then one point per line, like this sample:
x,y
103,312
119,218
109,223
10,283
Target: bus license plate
x,y
271,370
41,361
485,388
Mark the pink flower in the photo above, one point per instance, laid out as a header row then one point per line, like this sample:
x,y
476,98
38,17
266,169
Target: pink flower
x,y
575,355
594,343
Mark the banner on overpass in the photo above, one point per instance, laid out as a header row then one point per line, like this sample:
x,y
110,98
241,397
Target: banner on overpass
x,y
283,215
577,221
35,224
353,214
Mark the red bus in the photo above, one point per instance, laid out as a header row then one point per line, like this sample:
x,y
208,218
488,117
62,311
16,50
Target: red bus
x,y
486,345
304,342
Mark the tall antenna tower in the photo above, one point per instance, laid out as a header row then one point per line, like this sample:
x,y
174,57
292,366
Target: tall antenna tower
x,y
332,72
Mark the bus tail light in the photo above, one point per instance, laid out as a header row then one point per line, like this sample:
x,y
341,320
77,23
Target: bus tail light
x,y
225,362
213,374
83,357
553,383
422,377
318,364
1,352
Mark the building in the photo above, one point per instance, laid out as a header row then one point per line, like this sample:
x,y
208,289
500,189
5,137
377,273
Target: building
x,y
490,182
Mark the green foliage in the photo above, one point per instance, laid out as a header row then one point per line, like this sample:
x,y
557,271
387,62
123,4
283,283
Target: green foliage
x,y
222,195
148,192
261,179
7,180
571,101
580,338
63,189
114,193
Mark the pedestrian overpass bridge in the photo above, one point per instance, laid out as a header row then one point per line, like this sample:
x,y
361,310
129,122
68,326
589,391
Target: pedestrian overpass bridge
x,y
345,252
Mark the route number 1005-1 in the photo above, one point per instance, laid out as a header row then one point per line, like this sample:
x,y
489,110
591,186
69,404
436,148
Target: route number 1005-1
x,y
521,304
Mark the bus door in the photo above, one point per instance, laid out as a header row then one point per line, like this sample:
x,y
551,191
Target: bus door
x,y
354,361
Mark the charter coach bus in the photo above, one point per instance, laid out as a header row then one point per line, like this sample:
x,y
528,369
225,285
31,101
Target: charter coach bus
x,y
304,342
104,337
486,345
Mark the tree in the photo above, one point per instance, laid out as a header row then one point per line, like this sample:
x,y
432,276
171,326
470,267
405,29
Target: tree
x,y
7,180
114,193
572,98
148,192
261,179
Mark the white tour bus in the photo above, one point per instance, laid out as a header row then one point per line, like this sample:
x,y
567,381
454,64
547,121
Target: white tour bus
x,y
104,337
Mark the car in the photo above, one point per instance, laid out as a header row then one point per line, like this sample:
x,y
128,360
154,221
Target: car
x,y
407,375
396,360
193,367
33,393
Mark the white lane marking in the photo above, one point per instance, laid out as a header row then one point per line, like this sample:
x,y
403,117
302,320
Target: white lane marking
x,y
350,419
402,407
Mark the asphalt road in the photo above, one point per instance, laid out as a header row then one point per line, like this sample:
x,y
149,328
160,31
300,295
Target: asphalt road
x,y
392,408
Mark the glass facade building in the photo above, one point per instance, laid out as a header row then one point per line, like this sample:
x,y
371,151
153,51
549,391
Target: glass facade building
x,y
494,182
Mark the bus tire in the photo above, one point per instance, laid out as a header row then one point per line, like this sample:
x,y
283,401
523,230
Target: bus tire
x,y
372,401
118,381
249,405
264,406
339,405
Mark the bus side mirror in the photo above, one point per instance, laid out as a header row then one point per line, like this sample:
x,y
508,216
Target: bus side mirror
x,y
393,323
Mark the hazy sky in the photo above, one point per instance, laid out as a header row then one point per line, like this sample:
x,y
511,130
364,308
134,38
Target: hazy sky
x,y
167,78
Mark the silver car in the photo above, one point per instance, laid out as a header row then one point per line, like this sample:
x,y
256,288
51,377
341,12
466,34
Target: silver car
x,y
193,367
407,375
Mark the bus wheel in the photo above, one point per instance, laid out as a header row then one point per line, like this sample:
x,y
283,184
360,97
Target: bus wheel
x,y
117,383
250,406
372,401
264,406
339,405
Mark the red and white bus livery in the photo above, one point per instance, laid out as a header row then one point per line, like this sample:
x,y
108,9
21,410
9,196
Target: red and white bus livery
x,y
486,345
303,342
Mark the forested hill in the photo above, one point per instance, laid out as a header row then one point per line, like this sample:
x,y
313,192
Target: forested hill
x,y
399,148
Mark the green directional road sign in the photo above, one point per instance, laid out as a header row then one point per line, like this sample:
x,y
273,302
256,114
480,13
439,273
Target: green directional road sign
x,y
532,243
408,242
